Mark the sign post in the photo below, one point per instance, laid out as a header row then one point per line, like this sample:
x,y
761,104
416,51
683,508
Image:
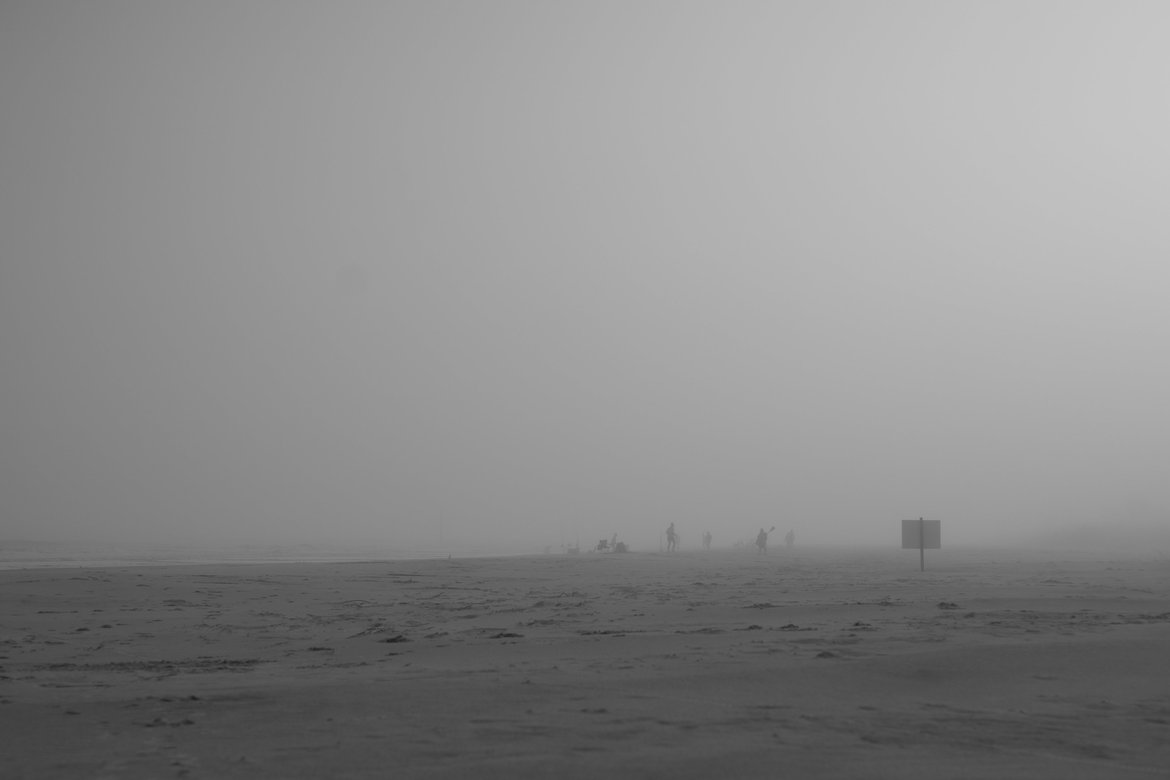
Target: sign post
x,y
922,534
921,544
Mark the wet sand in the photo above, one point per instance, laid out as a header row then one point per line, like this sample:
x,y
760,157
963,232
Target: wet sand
x,y
809,663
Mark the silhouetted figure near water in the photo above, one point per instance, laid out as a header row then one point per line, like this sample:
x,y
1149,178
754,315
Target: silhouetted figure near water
x,y
671,539
790,539
762,539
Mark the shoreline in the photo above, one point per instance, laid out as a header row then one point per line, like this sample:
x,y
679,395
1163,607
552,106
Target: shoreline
x,y
196,556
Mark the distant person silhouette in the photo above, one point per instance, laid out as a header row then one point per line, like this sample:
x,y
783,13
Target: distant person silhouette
x,y
671,539
790,539
762,539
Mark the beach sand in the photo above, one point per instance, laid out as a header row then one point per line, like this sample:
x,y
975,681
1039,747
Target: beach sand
x,y
805,663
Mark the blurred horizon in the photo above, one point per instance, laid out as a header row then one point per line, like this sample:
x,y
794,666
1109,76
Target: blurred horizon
x,y
1151,539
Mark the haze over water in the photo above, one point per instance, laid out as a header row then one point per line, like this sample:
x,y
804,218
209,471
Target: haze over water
x,y
525,273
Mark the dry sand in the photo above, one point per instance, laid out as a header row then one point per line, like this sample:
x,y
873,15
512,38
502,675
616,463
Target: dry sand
x,y
812,663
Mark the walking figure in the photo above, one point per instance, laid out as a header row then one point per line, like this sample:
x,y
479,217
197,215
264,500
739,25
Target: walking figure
x,y
762,539
671,539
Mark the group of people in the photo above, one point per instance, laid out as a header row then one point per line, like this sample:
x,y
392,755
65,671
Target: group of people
x,y
761,539
611,545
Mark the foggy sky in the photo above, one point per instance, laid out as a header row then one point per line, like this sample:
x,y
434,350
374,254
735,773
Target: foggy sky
x,y
397,271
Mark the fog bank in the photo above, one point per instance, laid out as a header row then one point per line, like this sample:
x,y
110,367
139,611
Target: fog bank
x,y
465,273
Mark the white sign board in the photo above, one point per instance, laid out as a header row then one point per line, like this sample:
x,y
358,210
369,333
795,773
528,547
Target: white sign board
x,y
921,534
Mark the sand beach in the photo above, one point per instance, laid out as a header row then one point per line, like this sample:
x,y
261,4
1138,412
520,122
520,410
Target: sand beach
x,y
822,662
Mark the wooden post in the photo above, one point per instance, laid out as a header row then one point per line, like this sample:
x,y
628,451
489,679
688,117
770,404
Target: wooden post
x,y
921,544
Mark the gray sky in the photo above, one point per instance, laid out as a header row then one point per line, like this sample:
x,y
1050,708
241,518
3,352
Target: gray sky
x,y
293,271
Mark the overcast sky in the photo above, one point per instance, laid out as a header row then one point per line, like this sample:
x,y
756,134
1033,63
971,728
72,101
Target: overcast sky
x,y
290,271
